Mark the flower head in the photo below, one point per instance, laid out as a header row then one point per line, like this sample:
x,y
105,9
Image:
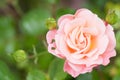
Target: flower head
x,y
83,41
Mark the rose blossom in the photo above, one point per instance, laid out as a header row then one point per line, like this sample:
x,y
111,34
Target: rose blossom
x,y
83,40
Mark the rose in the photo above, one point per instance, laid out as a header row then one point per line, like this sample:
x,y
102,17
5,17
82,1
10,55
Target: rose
x,y
83,40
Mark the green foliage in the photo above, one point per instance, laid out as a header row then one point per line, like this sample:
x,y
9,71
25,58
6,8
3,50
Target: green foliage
x,y
6,34
5,73
56,70
44,60
87,76
33,23
23,27
35,74
63,11
116,77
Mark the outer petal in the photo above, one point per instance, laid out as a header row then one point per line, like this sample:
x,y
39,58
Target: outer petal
x,y
63,20
110,51
67,16
107,55
92,21
51,44
111,36
50,35
83,12
75,69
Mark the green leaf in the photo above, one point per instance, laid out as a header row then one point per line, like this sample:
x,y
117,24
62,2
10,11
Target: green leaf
x,y
117,77
86,76
5,73
33,23
56,70
44,60
95,75
35,74
7,34
63,11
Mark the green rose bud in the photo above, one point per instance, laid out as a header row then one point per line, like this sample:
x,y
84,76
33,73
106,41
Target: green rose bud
x,y
112,17
19,56
51,23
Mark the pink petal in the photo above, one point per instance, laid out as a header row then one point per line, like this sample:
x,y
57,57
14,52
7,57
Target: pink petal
x,y
83,13
73,24
111,36
67,16
102,44
110,51
90,30
61,44
75,70
63,20
71,70
107,55
50,35
92,21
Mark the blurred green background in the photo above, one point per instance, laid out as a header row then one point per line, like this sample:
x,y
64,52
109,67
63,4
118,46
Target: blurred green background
x,y
23,48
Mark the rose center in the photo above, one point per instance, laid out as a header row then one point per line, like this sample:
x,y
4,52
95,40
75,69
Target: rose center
x,y
81,41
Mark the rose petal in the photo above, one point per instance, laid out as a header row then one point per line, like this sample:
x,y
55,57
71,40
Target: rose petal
x,y
75,69
107,55
111,36
50,35
91,30
73,24
110,52
67,17
83,13
91,20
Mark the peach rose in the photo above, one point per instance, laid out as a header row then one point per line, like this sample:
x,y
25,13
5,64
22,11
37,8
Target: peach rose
x,y
83,40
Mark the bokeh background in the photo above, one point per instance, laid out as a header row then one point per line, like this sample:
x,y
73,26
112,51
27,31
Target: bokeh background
x,y
23,48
